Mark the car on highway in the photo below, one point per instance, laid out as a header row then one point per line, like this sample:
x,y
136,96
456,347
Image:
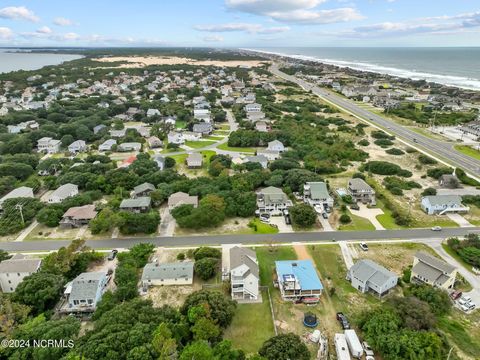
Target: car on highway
x,y
415,140
363,246
342,319
437,228
112,255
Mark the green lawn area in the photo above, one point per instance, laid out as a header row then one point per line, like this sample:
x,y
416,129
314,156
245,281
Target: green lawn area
x,y
198,144
267,256
473,215
463,331
386,219
467,150
180,124
179,159
357,223
251,326
453,254
262,228
216,138
237,149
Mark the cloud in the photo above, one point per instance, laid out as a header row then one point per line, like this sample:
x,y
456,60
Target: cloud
x,y
44,30
245,27
18,13
295,11
61,21
213,38
5,33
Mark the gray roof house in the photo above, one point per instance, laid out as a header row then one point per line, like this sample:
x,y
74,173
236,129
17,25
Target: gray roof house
x,y
85,291
142,190
130,146
14,270
160,160
107,145
194,160
366,275
316,193
138,205
181,198
20,192
177,273
203,128
359,190
98,128
430,270
63,192
154,142
77,146
244,273
272,200
276,146
78,215
260,159
442,204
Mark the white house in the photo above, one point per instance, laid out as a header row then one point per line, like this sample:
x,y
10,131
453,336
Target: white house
x,y
62,193
178,273
442,204
269,154
367,276
153,112
202,115
20,192
276,145
77,146
130,146
244,273
85,291
107,145
255,107
14,270
316,193
48,145
175,138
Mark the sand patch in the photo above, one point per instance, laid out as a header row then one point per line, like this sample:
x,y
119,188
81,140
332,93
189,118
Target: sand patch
x,y
142,61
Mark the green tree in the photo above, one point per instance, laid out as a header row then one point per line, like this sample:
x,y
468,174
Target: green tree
x,y
206,268
303,215
285,347
50,215
198,350
205,329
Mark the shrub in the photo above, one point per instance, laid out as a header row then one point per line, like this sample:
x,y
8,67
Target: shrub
x,y
383,142
206,268
429,191
426,160
180,256
385,168
345,219
303,215
206,252
394,151
364,142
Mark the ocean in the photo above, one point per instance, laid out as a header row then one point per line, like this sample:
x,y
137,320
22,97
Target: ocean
x,y
454,66
12,61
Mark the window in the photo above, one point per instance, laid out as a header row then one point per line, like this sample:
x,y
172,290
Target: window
x,y
90,301
9,282
75,302
18,274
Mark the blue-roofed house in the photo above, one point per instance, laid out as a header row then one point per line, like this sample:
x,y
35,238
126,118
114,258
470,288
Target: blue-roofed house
x,y
298,279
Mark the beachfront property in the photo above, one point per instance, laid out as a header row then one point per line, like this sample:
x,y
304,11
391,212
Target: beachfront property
x,y
297,279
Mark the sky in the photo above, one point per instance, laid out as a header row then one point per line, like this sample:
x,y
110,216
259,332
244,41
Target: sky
x,y
240,23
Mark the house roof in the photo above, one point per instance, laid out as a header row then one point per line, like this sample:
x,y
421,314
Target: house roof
x,y
168,271
303,271
81,212
257,159
275,142
85,285
359,184
181,198
273,194
195,157
434,262
143,187
202,127
443,199
20,265
64,190
244,256
368,270
21,191
318,190
143,201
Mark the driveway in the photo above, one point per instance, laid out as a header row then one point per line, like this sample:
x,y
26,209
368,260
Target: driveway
x,y
167,223
347,255
460,192
325,224
24,233
281,225
460,220
369,214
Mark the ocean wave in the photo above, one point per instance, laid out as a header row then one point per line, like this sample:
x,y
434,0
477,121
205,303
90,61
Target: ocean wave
x,y
456,81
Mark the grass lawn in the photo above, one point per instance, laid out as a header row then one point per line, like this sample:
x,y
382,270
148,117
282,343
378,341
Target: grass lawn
x,y
262,228
198,144
453,254
251,326
463,331
214,137
357,223
386,219
180,124
467,150
237,149
473,215
267,256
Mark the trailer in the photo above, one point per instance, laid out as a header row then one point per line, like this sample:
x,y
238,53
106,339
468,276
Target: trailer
x,y
341,347
354,344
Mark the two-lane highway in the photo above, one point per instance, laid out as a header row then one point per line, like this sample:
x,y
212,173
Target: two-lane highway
x,y
442,150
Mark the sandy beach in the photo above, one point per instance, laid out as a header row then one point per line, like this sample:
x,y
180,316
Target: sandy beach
x,y
141,61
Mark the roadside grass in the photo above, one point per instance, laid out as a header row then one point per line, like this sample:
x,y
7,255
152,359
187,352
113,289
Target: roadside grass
x,y
386,219
261,228
251,326
464,333
214,137
453,254
199,144
236,149
357,224
428,133
473,215
469,151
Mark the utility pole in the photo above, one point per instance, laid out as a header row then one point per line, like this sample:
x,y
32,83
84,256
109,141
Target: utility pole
x,y
20,208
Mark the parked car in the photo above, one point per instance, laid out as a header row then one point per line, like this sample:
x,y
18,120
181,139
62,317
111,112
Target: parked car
x,y
363,246
318,209
288,220
368,350
467,307
342,319
264,218
325,215
467,298
436,228
354,207
285,212
463,301
455,294
112,254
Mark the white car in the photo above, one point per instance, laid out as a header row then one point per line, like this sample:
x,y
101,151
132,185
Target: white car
x,y
368,350
436,228
318,209
364,247
467,298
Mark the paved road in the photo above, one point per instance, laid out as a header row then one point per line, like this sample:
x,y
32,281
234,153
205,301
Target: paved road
x,y
443,150
245,239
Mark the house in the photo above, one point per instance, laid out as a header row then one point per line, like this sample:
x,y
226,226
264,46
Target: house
x,y
98,128
271,155
137,205
254,107
48,145
154,142
261,126
276,145
177,273
244,274
203,128
107,145
181,198
20,192
297,279
85,291
359,190
175,138
432,271
272,200
442,204
260,159
366,275
194,160
159,160
202,115
14,270
142,190
130,146
118,133
254,116
191,136
316,193
77,146
448,181
63,192
78,216
153,112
